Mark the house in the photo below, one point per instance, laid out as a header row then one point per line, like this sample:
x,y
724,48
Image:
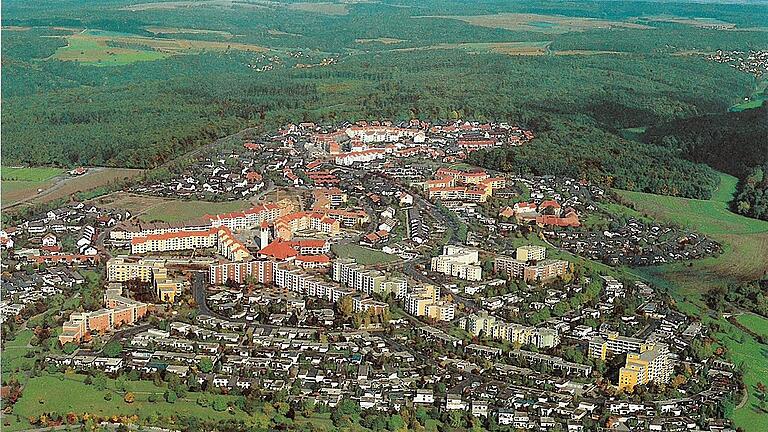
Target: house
x,y
49,240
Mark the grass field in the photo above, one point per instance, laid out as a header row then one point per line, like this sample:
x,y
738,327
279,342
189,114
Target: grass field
x,y
381,40
363,255
754,322
745,257
101,48
14,193
22,183
95,52
13,354
179,211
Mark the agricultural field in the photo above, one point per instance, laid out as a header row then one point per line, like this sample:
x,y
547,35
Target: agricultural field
x,y
102,48
62,187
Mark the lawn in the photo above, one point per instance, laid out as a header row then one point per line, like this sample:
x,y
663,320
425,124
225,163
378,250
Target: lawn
x,y
13,354
754,322
29,174
179,211
363,255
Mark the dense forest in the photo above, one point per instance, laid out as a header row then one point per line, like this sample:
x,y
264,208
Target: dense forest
x,y
145,113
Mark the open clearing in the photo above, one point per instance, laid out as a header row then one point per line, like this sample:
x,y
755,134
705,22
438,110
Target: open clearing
x,y
61,393
19,184
710,23
179,211
363,255
100,48
553,24
324,8
744,240
508,48
754,322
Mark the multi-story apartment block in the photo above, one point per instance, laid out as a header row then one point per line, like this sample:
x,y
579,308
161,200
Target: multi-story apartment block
x,y
286,226
604,347
424,301
496,328
459,262
349,273
248,219
651,364
530,272
261,271
119,311
531,253
182,240
123,269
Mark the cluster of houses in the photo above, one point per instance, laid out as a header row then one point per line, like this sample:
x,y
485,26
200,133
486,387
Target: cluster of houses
x,y
636,243
753,62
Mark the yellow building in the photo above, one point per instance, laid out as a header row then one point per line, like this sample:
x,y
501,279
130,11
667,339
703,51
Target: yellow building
x,y
650,365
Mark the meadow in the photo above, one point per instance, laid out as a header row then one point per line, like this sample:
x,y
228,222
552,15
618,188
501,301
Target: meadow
x,y
64,393
754,322
23,183
100,48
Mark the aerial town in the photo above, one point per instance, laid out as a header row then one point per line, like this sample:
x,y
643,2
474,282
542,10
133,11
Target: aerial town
x,y
375,267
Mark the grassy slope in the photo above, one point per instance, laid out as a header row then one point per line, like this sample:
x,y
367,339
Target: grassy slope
x,y
745,257
62,393
19,183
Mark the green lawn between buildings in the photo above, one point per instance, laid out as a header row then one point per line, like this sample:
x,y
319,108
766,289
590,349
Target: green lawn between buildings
x,y
363,255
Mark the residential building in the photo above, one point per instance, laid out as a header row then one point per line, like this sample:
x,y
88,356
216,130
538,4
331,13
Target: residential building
x,y
458,261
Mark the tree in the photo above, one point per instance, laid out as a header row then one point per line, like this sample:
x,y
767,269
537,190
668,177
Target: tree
x,y
112,349
129,397
219,404
345,306
170,396
205,365
395,423
69,348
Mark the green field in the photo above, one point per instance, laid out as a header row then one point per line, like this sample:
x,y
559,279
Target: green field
x,y
22,183
754,322
363,255
85,50
29,174
13,354
745,258
180,211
